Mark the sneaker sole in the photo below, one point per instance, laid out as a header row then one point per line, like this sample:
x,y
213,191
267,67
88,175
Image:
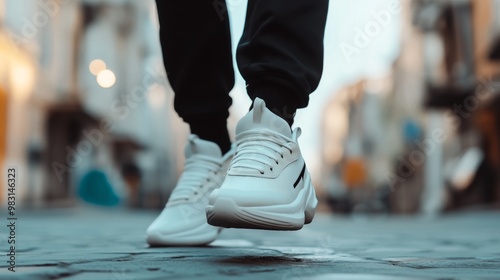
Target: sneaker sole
x,y
199,236
226,213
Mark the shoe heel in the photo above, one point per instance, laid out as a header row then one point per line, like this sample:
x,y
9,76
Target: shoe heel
x,y
312,202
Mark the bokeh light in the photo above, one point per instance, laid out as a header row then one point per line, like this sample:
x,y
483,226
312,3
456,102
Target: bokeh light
x,y
96,66
106,78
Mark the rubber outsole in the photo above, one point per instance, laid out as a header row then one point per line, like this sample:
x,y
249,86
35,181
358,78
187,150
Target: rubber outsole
x,y
227,214
199,236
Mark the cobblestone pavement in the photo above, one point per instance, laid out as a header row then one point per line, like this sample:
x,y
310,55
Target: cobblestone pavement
x,y
98,244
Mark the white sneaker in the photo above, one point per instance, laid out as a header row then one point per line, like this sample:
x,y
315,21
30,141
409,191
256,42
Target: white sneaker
x,y
267,185
183,222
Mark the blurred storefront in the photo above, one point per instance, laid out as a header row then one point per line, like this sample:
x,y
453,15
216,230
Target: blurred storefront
x,y
99,125
426,137
17,78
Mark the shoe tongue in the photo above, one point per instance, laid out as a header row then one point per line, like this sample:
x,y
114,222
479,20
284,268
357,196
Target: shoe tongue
x,y
261,117
197,146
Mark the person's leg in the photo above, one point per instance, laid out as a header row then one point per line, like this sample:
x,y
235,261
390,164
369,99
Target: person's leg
x,y
280,54
196,48
196,45
281,58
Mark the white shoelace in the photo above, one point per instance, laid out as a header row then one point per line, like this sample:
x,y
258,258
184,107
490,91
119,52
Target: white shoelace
x,y
259,151
197,171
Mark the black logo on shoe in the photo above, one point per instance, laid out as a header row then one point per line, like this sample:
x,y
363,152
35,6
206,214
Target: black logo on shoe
x,y
301,176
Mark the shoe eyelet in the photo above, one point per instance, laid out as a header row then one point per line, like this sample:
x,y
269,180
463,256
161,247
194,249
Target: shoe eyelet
x,y
262,173
271,169
282,156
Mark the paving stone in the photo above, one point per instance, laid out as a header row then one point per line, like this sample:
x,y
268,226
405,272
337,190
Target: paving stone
x,y
93,243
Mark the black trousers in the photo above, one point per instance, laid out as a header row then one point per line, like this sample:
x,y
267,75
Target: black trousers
x,y
280,54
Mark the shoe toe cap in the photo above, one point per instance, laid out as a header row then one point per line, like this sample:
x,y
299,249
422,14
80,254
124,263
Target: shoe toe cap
x,y
172,223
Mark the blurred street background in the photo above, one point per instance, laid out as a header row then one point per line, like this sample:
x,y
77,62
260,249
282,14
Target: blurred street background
x,y
405,124
405,119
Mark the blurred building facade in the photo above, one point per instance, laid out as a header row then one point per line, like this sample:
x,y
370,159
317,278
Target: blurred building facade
x,y
86,111
85,103
424,139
